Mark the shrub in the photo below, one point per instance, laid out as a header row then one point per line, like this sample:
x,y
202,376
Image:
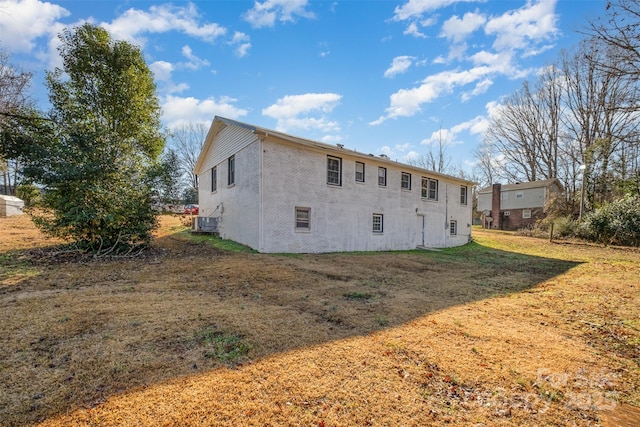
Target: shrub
x,y
615,223
29,193
564,226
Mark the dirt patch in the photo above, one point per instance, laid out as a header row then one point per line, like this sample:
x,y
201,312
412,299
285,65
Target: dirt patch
x,y
507,330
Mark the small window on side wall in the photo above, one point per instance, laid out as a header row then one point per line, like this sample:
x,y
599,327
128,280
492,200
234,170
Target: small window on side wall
x,y
378,223
359,172
334,170
214,179
405,181
453,228
463,195
303,219
231,170
526,213
382,176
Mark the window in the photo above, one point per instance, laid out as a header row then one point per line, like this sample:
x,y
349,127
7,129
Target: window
x,y
377,223
303,219
214,179
359,172
519,195
453,228
382,176
334,170
526,213
429,188
405,181
231,170
463,195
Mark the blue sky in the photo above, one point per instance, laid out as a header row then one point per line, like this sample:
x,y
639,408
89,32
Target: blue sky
x,y
381,77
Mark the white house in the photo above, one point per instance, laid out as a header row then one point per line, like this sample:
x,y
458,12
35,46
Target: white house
x,y
280,193
10,205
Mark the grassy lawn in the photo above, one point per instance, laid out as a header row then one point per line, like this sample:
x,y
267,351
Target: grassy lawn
x,y
507,330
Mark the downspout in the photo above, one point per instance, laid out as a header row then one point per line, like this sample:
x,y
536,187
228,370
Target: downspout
x,y
261,195
446,216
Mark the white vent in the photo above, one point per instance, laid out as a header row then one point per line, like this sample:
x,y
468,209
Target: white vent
x,y
507,213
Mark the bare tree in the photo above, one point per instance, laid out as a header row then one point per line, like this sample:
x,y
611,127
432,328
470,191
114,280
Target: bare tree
x,y
620,32
526,129
14,99
599,123
188,141
485,168
436,158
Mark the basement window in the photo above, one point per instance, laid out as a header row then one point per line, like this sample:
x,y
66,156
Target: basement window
x,y
303,219
377,223
526,213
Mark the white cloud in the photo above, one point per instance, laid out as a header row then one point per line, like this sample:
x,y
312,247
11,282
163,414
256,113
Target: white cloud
x,y
179,110
134,24
242,44
416,8
411,156
386,150
444,136
413,30
266,14
403,147
162,72
480,88
451,136
24,21
399,152
457,29
288,111
532,23
194,63
407,102
399,65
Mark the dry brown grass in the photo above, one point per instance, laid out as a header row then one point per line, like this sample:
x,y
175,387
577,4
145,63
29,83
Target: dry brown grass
x,y
506,331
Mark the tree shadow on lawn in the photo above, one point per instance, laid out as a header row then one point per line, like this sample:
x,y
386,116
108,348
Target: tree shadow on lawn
x,y
76,333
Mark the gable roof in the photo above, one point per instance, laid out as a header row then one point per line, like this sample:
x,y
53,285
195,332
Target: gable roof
x,y
525,185
219,122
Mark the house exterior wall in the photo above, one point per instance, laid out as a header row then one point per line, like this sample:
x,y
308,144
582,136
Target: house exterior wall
x,y
237,206
342,216
508,209
523,199
515,219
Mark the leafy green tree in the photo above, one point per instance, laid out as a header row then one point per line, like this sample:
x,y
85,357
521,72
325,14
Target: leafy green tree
x,y
95,172
166,179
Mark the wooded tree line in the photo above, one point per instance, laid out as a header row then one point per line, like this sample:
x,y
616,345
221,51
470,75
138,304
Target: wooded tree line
x,y
579,120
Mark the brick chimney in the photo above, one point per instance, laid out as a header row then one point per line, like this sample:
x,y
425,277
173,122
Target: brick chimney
x,y
495,206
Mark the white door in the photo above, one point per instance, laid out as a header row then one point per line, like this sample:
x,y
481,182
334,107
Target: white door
x,y
421,229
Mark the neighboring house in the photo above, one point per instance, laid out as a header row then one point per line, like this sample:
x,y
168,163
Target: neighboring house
x,y
279,193
515,206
